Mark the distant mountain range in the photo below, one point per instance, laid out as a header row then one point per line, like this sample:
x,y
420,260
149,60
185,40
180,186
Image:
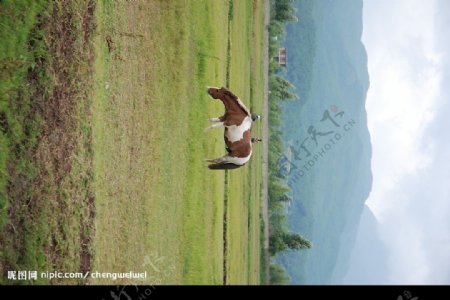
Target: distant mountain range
x,y
368,260
327,139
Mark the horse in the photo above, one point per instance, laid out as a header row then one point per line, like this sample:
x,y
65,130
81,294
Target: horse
x,y
239,152
237,117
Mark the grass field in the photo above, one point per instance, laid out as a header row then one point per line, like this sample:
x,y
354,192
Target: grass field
x,y
132,193
46,195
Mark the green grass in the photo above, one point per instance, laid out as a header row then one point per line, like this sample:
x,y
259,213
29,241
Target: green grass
x,y
15,61
18,131
157,102
157,198
45,166
244,187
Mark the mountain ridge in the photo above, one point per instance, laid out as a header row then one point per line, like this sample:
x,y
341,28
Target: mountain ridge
x,y
326,130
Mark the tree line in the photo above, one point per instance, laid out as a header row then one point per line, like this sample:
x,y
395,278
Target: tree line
x,y
280,90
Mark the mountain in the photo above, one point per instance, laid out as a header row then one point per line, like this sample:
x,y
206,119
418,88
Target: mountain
x,y
368,263
326,136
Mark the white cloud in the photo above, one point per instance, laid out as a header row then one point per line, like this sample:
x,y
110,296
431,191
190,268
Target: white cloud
x,y
403,94
405,70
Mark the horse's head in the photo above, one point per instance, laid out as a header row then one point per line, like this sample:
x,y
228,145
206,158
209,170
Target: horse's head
x,y
255,117
256,140
216,93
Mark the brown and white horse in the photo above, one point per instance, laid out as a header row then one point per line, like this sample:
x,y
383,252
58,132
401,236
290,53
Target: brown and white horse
x,y
237,121
239,152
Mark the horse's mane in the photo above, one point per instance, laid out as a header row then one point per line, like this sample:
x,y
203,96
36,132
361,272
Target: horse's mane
x,y
238,101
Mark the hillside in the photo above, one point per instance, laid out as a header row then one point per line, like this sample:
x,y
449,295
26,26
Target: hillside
x,y
368,263
326,136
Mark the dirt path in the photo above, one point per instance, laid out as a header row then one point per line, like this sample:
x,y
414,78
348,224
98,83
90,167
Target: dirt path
x,y
265,137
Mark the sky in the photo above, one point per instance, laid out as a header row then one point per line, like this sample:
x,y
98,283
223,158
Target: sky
x,y
408,47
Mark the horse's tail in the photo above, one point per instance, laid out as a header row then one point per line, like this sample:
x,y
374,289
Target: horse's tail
x,y
223,166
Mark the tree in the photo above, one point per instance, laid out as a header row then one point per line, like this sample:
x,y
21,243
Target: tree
x,y
296,241
283,89
276,243
280,88
284,198
278,275
284,11
277,190
280,240
286,95
275,28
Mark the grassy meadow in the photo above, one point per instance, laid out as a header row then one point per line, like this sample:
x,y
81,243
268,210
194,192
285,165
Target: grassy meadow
x,y
46,196
102,145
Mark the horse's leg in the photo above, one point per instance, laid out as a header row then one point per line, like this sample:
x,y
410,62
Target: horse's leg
x,y
210,160
218,125
218,160
214,120
221,159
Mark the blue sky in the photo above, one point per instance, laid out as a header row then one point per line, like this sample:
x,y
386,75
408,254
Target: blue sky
x,y
408,46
